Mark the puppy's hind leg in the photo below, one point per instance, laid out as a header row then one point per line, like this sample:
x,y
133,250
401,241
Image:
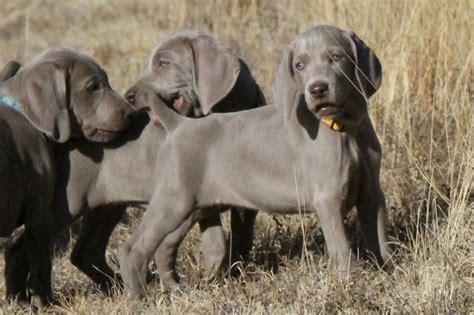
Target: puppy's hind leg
x,y
159,222
165,256
242,225
372,216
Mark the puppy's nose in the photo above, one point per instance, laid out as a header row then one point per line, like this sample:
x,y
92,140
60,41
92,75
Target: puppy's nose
x,y
318,89
130,96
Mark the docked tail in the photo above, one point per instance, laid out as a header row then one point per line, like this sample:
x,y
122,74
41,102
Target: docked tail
x,y
165,116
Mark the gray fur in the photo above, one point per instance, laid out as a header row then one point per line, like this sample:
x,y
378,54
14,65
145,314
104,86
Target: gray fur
x,y
274,158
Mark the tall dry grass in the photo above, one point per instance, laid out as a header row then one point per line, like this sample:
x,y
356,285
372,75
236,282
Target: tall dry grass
x,y
423,114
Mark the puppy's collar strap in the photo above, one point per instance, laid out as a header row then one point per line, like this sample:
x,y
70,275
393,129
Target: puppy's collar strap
x,y
10,102
334,125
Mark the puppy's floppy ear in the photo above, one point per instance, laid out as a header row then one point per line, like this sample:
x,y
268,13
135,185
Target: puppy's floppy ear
x,y
369,69
244,95
9,70
261,100
45,99
216,71
285,91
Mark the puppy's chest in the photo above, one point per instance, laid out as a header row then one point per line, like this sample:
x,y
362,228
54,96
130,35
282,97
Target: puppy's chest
x,y
330,172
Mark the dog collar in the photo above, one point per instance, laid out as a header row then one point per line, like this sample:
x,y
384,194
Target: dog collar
x,y
334,125
10,102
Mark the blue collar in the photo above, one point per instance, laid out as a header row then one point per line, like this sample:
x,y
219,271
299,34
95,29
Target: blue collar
x,y
10,102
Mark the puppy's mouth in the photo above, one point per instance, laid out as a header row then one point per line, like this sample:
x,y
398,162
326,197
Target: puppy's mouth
x,y
107,133
101,134
176,101
327,109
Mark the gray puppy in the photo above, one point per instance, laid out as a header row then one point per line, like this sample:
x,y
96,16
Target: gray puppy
x,y
65,95
100,181
196,75
315,151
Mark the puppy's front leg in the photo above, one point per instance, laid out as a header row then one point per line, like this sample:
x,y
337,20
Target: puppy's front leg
x,y
16,271
330,216
38,242
88,254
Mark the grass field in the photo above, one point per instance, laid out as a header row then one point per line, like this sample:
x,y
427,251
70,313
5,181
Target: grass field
x,y
423,114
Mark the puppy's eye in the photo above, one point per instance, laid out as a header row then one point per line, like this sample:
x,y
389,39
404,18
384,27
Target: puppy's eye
x,y
92,86
336,57
299,65
164,63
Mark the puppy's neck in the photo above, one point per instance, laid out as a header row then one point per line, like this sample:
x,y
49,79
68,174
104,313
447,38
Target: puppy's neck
x,y
5,90
10,87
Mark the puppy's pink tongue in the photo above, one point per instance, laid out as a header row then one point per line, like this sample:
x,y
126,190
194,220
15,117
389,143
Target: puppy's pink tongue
x,y
178,103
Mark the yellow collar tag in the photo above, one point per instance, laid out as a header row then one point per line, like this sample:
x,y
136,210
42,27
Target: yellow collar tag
x,y
334,125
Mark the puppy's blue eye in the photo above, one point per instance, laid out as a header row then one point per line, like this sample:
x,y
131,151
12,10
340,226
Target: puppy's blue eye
x,y
299,65
336,57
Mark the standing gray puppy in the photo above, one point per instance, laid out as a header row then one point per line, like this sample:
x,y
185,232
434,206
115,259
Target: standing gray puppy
x,y
197,75
315,148
27,176
65,95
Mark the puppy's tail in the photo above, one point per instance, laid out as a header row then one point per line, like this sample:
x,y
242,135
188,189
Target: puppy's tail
x,y
163,115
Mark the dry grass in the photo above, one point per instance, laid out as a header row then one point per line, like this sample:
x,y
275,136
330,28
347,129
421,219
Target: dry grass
x,y
423,114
